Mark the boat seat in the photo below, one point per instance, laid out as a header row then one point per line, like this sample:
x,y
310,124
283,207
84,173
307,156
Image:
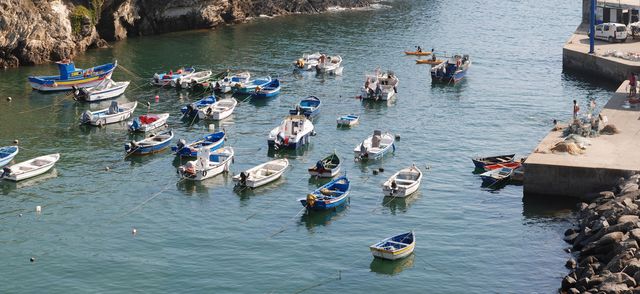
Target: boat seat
x,y
398,243
404,182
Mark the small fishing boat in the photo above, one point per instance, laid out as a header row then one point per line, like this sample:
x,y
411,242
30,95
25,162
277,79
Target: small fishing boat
x,y
480,162
30,168
395,247
375,146
496,176
348,120
115,113
152,144
418,53
307,62
250,86
327,167
269,90
331,65
166,78
452,70
295,131
512,164
187,81
429,61
208,85
148,122
211,141
309,107
219,110
191,109
106,89
330,195
380,86
7,154
403,183
70,77
262,174
226,84
208,164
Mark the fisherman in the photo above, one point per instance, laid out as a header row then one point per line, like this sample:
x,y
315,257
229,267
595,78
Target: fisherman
x,y
576,109
419,49
433,56
632,85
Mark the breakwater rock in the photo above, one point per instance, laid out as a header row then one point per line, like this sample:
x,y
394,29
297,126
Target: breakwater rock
x,y
40,31
605,242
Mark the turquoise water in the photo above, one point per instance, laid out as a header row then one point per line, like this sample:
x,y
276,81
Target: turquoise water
x,y
205,237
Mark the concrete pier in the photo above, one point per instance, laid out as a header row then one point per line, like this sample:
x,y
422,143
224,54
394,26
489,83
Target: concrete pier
x,y
608,158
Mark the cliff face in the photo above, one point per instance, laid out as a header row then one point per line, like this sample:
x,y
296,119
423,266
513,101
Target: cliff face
x,y
40,31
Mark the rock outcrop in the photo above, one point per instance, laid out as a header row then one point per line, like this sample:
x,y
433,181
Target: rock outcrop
x,y
40,31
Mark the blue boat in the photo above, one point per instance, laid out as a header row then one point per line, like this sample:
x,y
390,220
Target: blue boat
x,y
481,162
270,90
309,107
330,195
7,153
191,109
152,144
250,86
211,141
71,77
452,70
496,176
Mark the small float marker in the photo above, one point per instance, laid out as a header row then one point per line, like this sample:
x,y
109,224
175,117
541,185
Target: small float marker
x,y
38,209
134,231
107,168
16,141
32,259
9,98
157,98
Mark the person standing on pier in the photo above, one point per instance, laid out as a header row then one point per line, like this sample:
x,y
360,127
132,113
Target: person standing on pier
x,y
576,109
632,85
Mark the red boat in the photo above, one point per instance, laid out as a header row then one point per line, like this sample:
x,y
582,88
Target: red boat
x,y
512,165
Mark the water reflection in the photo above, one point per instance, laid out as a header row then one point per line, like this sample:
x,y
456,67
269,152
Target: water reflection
x,y
191,188
312,219
542,206
9,186
400,205
391,267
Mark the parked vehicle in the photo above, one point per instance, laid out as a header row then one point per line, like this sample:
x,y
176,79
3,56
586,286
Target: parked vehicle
x,y
611,32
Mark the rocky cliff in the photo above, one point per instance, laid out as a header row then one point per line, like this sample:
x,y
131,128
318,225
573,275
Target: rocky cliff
x,y
40,31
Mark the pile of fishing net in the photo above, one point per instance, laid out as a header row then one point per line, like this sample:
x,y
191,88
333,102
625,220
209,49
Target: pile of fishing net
x,y
569,147
609,130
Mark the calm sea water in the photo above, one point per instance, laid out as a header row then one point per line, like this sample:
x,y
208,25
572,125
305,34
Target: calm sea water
x,y
204,237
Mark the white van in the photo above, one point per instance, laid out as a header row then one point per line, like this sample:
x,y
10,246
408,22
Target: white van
x,y
611,32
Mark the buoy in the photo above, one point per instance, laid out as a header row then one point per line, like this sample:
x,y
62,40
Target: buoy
x,y
38,209
397,137
375,171
149,104
9,99
381,170
32,259
107,168
212,127
157,98
16,141
20,215
134,231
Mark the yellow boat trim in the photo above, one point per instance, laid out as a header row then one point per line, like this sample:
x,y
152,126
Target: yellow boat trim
x,y
398,252
77,81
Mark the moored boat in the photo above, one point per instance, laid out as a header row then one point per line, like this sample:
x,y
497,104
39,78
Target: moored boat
x,y
309,107
152,144
211,141
327,167
380,86
191,109
496,176
375,146
262,174
269,90
331,65
418,53
403,183
330,195
228,82
7,154
348,120
166,78
395,247
513,165
293,132
219,110
207,164
250,86
188,81
115,113
148,122
480,162
307,62
106,89
452,70
30,168
69,76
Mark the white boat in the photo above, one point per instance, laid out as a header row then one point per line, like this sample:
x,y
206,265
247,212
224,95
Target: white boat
x,y
148,122
262,174
115,113
169,78
208,164
188,80
293,132
307,62
106,89
30,168
348,120
375,146
7,154
380,86
329,65
403,183
219,110
227,84
395,247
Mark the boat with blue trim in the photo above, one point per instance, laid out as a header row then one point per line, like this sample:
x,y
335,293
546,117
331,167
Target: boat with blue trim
x,y
269,90
375,146
71,77
152,144
148,122
395,247
7,153
106,89
169,78
250,86
496,176
211,141
330,195
452,70
309,107
348,120
327,167
191,109
293,132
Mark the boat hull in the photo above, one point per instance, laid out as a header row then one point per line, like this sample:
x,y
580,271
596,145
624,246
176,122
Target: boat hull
x,y
107,94
210,172
112,118
401,192
292,144
325,205
384,254
60,85
13,176
8,155
253,181
392,248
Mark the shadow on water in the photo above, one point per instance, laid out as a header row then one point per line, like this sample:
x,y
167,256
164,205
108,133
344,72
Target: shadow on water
x,y
400,205
312,219
192,188
135,159
289,153
9,186
391,267
543,206
317,181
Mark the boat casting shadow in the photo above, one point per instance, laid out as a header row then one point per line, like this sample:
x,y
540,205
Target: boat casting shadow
x,y
400,205
312,219
391,267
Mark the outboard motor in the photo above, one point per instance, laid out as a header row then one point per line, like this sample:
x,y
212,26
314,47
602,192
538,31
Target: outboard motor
x,y
113,109
135,124
243,178
181,144
5,172
86,117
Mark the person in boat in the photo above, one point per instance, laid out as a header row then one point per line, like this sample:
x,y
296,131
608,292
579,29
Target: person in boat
x,y
433,56
419,49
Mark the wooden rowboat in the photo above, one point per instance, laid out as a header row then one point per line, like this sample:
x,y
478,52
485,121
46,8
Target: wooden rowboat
x,y
480,162
328,167
418,53
262,174
330,195
395,247
403,183
512,165
30,168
